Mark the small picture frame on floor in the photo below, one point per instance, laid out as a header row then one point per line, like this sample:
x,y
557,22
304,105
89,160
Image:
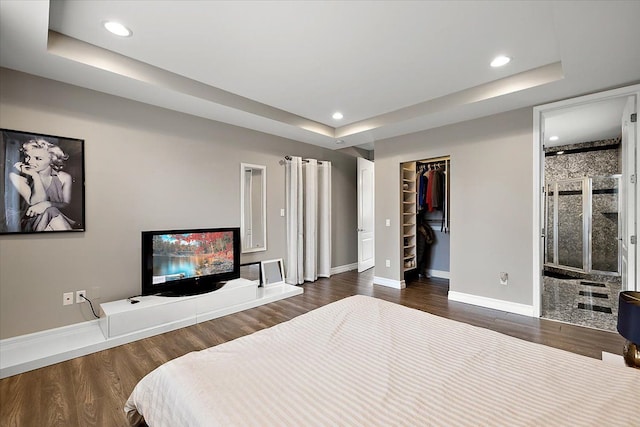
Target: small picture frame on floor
x,y
272,272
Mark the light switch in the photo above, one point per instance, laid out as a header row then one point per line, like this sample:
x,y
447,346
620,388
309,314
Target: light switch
x,y
387,222
281,212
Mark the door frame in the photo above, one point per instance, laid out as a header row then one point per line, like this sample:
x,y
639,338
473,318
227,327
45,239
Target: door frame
x,y
538,181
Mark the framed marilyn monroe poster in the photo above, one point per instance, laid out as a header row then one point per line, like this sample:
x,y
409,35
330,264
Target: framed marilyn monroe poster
x,y
42,183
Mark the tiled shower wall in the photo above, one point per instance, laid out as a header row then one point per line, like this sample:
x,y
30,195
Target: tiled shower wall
x,y
589,163
600,162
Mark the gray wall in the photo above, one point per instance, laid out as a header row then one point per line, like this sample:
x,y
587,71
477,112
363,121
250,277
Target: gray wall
x,y
145,168
491,202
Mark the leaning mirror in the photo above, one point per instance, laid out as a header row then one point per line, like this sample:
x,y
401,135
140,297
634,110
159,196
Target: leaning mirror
x,y
272,272
253,207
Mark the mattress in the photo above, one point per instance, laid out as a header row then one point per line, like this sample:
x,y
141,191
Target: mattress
x,y
363,361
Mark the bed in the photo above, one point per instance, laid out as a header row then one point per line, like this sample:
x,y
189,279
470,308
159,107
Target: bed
x,y
363,361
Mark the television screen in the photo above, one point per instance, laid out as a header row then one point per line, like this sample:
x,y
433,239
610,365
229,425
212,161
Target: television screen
x,y
184,262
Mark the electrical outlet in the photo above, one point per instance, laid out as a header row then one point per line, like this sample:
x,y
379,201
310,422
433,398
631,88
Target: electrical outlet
x,y
67,298
79,296
388,263
504,278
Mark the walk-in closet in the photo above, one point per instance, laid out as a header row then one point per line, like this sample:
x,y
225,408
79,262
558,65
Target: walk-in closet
x,y
425,223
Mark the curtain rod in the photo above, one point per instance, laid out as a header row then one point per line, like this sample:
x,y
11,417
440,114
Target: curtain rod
x,y
304,160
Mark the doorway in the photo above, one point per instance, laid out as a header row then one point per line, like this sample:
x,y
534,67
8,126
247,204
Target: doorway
x,y
425,218
585,154
581,273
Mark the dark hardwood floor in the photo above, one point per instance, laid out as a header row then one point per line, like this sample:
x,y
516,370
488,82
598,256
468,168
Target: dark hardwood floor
x,y
92,390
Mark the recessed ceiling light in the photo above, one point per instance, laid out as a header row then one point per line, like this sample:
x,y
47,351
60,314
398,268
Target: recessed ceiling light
x,y
501,60
337,115
117,28
554,138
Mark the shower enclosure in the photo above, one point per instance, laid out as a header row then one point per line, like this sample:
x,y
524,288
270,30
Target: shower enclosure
x,y
583,226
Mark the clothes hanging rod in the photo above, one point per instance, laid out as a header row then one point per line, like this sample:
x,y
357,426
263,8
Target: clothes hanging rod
x,y
432,163
432,166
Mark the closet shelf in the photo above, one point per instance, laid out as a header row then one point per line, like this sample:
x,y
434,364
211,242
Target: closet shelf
x,y
409,192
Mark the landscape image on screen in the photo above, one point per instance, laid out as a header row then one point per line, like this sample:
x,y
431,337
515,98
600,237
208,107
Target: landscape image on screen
x,y
183,256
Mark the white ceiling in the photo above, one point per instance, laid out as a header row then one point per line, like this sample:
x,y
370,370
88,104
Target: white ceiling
x,y
591,122
283,67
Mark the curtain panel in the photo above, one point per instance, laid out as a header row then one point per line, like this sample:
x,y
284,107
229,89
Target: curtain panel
x,y
308,219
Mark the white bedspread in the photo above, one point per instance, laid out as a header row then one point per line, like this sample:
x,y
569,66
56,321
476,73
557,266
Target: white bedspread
x,y
363,361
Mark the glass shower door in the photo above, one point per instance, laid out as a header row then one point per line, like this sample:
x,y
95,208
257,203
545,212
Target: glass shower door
x,y
583,225
570,224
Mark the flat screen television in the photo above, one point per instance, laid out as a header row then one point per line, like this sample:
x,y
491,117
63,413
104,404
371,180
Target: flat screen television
x,y
189,262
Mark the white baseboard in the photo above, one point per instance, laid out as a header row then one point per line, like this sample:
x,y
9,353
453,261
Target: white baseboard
x,y
397,284
496,304
401,284
344,268
439,274
32,351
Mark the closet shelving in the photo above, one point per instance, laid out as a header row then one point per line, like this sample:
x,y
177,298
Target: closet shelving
x,y
408,215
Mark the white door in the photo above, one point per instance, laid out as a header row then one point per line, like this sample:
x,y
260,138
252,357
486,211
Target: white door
x,y
629,213
366,253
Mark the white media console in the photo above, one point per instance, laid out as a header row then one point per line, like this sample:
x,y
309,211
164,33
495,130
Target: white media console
x,y
122,322
160,314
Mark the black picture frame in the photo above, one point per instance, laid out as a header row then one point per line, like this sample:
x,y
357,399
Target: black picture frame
x,y
59,205
251,271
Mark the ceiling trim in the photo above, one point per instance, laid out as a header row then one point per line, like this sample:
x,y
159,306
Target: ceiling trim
x,y
528,79
94,56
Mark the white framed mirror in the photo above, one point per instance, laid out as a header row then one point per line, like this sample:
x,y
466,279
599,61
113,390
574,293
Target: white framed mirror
x,y
253,207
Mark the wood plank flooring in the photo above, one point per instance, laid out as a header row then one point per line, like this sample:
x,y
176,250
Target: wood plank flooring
x,y
92,390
